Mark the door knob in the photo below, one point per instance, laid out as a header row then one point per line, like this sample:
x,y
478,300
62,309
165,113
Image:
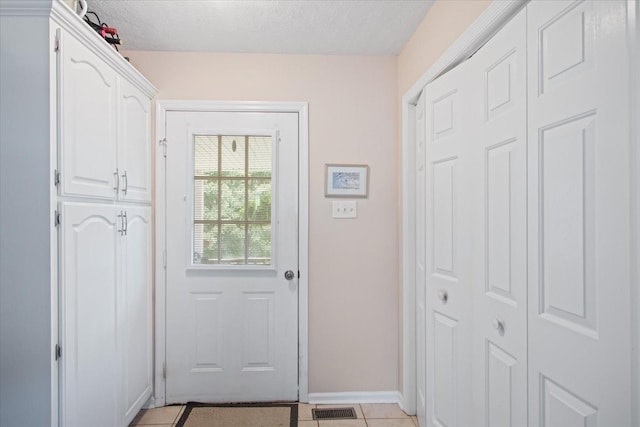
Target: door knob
x,y
289,275
498,324
443,296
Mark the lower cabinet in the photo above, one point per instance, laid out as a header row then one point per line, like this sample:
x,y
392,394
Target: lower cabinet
x,y
105,259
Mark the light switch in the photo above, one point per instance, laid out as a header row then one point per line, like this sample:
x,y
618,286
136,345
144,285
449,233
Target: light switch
x,y
345,209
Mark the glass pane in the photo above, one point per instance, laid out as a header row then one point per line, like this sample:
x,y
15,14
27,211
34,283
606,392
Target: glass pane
x,y
259,244
205,149
232,199
205,199
259,200
232,240
233,156
205,244
260,156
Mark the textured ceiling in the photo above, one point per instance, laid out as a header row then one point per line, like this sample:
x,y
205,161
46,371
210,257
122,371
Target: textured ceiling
x,y
343,27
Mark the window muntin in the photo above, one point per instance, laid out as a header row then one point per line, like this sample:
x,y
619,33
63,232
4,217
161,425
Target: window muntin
x,y
232,200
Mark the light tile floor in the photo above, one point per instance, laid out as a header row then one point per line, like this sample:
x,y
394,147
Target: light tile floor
x,y
369,415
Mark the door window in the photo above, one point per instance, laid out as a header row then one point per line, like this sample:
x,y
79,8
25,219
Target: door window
x,y
231,206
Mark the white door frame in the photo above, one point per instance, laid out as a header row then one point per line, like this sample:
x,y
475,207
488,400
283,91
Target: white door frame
x,y
483,28
164,106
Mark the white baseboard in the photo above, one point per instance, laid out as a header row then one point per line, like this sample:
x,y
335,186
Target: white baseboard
x,y
351,397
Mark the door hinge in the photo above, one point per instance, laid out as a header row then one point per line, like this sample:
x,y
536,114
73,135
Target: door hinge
x,y
163,144
56,177
57,217
164,370
57,352
56,42
164,258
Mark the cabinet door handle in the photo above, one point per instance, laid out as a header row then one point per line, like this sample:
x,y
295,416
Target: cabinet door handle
x,y
125,220
126,183
121,218
116,183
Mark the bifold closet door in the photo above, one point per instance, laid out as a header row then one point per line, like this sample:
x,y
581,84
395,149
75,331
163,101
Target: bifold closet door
x,y
579,214
497,166
420,266
448,279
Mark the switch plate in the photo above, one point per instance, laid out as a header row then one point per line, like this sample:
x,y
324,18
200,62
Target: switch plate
x,y
345,209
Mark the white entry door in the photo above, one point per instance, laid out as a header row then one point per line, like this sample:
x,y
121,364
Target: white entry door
x,y
232,256
579,214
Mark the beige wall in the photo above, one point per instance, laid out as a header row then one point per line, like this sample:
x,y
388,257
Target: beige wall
x,y
353,297
445,22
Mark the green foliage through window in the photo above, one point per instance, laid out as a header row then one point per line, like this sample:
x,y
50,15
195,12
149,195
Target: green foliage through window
x,y
232,200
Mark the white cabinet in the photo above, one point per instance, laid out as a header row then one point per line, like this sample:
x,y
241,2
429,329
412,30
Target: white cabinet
x,y
75,219
134,144
135,310
87,118
105,128
106,313
89,275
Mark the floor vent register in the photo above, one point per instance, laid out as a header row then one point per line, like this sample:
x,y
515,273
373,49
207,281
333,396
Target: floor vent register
x,y
334,414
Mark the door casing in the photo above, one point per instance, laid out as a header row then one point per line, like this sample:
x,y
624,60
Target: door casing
x,y
161,147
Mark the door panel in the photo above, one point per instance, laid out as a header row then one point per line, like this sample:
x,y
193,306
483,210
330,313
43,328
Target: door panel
x,y
579,207
448,285
231,314
89,280
87,121
136,302
421,274
134,144
497,192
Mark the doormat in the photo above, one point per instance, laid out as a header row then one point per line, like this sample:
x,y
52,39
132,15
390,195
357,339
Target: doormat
x,y
239,415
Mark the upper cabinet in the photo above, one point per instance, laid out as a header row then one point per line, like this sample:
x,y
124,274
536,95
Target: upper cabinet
x,y
104,120
134,144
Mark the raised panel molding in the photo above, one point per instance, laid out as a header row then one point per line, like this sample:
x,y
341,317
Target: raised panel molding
x,y
566,45
444,217
443,115
498,217
208,345
498,86
567,221
444,366
258,331
499,386
561,408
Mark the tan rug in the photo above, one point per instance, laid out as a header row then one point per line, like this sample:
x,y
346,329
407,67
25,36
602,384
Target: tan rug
x,y
239,415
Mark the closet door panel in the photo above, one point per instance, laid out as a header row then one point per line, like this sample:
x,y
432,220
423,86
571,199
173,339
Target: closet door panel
x,y
89,370
448,285
134,148
87,121
421,273
497,192
579,214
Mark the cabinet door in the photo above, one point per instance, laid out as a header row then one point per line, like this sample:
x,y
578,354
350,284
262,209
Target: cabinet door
x,y
136,311
134,147
89,367
87,121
